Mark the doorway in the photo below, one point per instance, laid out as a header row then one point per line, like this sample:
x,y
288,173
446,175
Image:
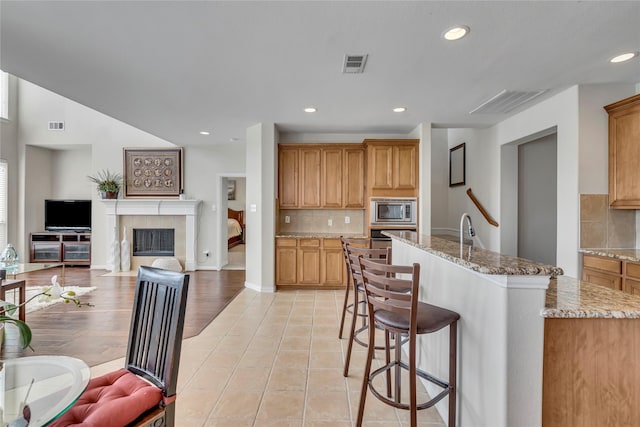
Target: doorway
x,y
232,229
537,199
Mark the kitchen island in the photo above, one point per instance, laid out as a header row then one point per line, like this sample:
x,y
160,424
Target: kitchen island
x,y
536,348
501,330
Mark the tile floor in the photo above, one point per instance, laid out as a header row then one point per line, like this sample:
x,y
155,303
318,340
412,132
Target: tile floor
x,y
276,360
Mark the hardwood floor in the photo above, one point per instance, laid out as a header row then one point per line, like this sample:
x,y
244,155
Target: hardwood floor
x,y
99,334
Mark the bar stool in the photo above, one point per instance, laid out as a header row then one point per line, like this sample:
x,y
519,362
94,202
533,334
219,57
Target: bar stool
x,y
353,253
393,305
358,242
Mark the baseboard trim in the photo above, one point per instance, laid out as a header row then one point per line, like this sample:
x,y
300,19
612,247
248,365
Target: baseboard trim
x,y
259,288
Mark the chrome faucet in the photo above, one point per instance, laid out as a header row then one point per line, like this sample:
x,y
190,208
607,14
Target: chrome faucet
x,y
470,230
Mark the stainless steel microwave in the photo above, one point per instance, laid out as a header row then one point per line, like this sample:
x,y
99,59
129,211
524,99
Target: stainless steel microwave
x,y
393,211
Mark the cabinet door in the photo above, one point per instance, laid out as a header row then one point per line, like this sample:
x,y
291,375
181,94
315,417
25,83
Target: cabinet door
x,y
333,266
45,252
288,178
332,178
624,153
602,278
76,252
286,261
405,170
632,286
309,261
381,164
310,173
354,170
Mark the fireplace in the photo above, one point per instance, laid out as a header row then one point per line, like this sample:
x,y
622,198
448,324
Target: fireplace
x,y
153,242
182,215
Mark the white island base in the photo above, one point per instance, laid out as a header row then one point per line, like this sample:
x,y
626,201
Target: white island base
x,y
500,333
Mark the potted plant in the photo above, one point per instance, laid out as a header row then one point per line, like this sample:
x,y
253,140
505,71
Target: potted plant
x,y
108,183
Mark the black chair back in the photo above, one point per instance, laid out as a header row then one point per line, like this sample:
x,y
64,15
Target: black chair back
x,y
157,323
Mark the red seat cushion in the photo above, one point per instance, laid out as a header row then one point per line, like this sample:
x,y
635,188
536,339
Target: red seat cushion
x,y
114,399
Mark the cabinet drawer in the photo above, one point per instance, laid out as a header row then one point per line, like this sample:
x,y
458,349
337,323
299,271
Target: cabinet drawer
x,y
332,243
610,281
600,263
633,270
280,243
307,243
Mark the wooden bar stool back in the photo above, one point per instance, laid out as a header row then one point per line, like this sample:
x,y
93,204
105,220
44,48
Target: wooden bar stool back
x,y
346,306
391,293
377,255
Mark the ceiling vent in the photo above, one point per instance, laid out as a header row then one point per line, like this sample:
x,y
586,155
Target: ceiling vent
x,y
56,125
354,63
505,101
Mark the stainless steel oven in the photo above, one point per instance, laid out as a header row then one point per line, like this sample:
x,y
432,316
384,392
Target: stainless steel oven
x,y
379,240
393,211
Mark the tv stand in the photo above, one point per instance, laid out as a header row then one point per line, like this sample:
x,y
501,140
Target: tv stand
x,y
69,247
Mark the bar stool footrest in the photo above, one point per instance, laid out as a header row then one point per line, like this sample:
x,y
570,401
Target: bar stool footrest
x,y
447,389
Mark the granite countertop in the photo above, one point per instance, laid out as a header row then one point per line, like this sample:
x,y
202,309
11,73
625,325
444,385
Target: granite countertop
x,y
575,299
473,258
320,235
621,254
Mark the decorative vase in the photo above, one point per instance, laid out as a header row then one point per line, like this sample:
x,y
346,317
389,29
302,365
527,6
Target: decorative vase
x,y
9,256
108,194
115,252
125,252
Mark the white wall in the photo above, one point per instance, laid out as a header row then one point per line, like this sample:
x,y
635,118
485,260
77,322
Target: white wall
x,y
594,134
261,160
439,181
9,152
69,171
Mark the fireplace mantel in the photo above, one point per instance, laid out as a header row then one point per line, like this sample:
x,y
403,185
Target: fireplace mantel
x,y
151,207
154,207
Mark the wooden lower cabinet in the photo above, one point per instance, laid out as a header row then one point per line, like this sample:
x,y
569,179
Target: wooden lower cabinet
x,y
612,273
286,261
332,264
602,271
590,372
309,263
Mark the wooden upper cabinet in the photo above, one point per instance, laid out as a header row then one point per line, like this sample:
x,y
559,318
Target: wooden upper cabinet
x,y
288,178
353,178
313,176
310,173
405,169
624,153
332,178
392,167
381,165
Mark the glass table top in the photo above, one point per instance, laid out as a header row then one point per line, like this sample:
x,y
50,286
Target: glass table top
x,y
14,270
51,385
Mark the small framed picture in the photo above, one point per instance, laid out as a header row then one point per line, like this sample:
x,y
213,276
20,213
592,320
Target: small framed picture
x,y
231,189
153,172
457,163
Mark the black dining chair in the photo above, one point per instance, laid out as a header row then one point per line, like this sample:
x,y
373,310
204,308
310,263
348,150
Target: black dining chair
x,y
142,393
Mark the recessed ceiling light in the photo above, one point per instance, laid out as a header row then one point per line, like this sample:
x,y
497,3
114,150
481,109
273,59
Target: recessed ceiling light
x,y
456,33
310,110
232,139
622,58
400,109
204,132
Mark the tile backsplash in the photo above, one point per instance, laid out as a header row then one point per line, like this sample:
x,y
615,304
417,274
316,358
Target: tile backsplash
x,y
601,227
317,221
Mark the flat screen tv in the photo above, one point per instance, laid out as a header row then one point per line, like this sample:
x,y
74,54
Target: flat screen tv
x,y
71,215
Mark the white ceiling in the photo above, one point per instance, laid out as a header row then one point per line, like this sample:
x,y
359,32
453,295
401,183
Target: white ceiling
x,y
173,68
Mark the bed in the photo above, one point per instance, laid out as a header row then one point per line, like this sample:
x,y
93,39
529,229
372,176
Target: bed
x,y
235,227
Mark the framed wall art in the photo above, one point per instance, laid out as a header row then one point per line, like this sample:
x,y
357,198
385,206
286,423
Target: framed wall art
x,y
153,172
457,164
231,189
